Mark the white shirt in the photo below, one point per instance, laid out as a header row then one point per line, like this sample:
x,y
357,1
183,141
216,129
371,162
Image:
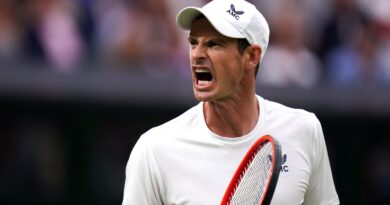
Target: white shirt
x,y
182,162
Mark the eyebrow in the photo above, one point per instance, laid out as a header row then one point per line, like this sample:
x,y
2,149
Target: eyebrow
x,y
215,39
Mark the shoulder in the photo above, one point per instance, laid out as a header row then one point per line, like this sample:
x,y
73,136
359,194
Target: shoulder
x,y
280,111
153,145
173,128
298,125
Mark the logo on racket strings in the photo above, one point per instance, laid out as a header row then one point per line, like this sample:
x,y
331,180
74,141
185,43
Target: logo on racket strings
x,y
283,166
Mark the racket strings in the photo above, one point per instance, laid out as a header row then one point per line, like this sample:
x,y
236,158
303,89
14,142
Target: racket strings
x,y
254,178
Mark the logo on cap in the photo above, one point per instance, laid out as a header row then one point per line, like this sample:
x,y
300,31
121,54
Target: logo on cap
x,y
232,11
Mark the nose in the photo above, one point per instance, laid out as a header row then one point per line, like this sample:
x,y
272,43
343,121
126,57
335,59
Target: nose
x,y
198,54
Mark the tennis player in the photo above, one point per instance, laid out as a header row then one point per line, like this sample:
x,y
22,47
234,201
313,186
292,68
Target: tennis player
x,y
190,160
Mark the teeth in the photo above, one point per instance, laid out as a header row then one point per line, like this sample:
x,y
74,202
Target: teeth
x,y
204,82
199,70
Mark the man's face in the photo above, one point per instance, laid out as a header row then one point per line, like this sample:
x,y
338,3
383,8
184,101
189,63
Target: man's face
x,y
216,64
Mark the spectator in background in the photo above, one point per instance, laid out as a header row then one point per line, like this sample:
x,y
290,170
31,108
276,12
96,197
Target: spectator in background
x,y
355,62
58,33
351,48
313,12
141,35
112,27
338,28
10,34
379,12
288,61
53,30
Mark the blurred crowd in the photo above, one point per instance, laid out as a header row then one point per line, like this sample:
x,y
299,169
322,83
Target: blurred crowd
x,y
313,42
343,43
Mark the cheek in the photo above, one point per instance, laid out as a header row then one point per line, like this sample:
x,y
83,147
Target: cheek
x,y
226,59
227,65
230,65
229,73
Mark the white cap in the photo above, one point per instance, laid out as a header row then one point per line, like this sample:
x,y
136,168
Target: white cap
x,y
231,18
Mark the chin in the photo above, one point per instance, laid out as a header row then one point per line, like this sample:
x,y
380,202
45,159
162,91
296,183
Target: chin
x,y
201,97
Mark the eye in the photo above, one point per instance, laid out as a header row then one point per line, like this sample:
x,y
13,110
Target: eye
x,y
212,44
192,42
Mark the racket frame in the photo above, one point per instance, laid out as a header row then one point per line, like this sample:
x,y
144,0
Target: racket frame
x,y
274,173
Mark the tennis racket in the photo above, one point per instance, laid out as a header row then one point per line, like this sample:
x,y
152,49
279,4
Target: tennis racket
x,y
256,177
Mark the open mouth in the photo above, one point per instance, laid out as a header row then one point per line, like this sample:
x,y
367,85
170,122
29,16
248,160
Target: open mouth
x,y
203,76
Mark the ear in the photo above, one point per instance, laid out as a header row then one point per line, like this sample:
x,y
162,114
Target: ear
x,y
253,55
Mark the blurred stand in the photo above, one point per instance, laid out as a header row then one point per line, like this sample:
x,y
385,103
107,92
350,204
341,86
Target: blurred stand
x,y
287,61
352,49
140,34
80,80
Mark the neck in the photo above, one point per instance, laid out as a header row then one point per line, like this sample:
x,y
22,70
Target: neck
x,y
232,118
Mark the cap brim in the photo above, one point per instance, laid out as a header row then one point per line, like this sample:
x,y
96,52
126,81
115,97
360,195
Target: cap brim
x,y
188,15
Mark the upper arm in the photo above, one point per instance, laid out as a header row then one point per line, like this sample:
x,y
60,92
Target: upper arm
x,y
142,185
321,188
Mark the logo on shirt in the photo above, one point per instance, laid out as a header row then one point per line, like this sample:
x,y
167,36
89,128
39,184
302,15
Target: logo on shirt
x,y
283,166
232,11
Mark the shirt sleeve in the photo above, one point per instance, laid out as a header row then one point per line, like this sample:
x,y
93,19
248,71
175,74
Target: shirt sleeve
x,y
142,185
321,190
